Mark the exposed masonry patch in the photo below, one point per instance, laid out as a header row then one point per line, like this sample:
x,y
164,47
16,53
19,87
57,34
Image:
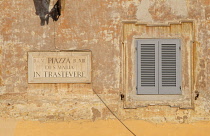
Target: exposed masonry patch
x,y
96,113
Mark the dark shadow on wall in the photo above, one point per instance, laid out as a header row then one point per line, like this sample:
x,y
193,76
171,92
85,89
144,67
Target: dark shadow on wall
x,y
42,10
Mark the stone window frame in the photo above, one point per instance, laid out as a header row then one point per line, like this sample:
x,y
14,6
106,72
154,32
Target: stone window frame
x,y
133,30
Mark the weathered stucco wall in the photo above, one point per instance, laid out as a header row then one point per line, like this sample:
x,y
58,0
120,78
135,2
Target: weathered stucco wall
x,y
97,26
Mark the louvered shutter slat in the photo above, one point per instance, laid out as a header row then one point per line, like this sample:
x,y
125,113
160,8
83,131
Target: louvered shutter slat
x,y
147,69
169,66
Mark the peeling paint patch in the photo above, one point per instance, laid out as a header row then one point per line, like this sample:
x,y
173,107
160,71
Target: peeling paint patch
x,y
142,13
107,35
178,7
96,113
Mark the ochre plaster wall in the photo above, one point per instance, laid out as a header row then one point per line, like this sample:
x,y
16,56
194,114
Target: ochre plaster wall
x,y
96,25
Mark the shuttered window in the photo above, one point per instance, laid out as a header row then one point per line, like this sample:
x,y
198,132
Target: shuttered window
x,y
158,66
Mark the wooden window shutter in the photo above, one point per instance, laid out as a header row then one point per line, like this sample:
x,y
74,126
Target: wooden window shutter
x,y
147,66
169,66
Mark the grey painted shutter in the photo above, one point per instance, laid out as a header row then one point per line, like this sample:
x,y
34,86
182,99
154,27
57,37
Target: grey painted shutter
x,y
147,66
169,66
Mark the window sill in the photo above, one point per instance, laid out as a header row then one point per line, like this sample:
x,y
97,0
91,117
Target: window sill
x,y
181,101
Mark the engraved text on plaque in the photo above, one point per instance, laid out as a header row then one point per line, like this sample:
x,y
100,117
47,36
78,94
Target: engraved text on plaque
x,y
59,67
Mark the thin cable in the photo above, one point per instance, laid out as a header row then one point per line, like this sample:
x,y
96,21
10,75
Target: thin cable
x,y
114,114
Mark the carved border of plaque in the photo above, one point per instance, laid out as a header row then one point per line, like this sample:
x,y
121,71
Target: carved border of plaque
x,y
59,67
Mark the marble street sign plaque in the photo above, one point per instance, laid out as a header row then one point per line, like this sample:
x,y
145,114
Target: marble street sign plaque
x,y
59,67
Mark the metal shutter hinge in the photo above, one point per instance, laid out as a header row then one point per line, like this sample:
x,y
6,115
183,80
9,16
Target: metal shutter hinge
x,y
122,96
196,95
179,47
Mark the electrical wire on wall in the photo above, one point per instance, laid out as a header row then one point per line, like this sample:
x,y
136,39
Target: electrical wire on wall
x,y
114,114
